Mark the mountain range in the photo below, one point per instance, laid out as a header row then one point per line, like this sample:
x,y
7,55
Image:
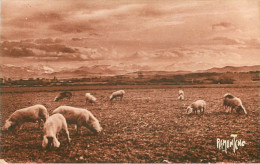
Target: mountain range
x,y
41,71
233,69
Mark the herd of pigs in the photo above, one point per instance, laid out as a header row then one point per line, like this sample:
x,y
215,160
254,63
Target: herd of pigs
x,y
64,115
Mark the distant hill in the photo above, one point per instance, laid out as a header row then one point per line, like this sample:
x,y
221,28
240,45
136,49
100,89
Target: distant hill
x,y
14,72
154,73
41,71
232,69
85,71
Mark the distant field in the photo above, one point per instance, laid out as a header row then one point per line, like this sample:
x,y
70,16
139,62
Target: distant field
x,y
149,125
15,89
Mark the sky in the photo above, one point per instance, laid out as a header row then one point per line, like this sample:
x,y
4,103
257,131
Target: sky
x,y
167,35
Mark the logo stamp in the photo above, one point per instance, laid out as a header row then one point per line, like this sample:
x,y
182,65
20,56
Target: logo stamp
x,y
234,143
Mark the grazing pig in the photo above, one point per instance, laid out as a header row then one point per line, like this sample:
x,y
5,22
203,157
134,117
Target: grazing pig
x,y
80,117
63,95
197,105
51,128
29,114
119,93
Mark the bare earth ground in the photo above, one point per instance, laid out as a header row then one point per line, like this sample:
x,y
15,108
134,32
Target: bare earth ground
x,y
149,125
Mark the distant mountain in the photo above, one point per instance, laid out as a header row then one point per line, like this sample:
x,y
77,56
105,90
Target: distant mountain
x,y
99,70
133,70
233,69
138,55
85,71
14,72
153,73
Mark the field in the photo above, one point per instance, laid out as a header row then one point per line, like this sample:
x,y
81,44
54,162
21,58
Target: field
x,y
148,125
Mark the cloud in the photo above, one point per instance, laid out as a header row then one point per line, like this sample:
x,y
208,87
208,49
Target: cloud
x,y
243,43
35,20
46,17
91,19
138,55
63,56
105,18
107,13
71,27
161,33
77,39
91,54
30,49
165,55
16,52
227,40
48,49
253,43
222,26
154,56
151,11
165,8
45,47
48,41
57,48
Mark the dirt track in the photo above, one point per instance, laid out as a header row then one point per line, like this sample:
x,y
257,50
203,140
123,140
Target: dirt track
x,y
149,125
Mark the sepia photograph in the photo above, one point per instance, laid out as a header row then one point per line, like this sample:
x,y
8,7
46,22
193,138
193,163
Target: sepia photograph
x,y
129,81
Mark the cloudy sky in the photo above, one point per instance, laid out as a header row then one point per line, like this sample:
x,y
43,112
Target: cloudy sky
x,y
167,35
